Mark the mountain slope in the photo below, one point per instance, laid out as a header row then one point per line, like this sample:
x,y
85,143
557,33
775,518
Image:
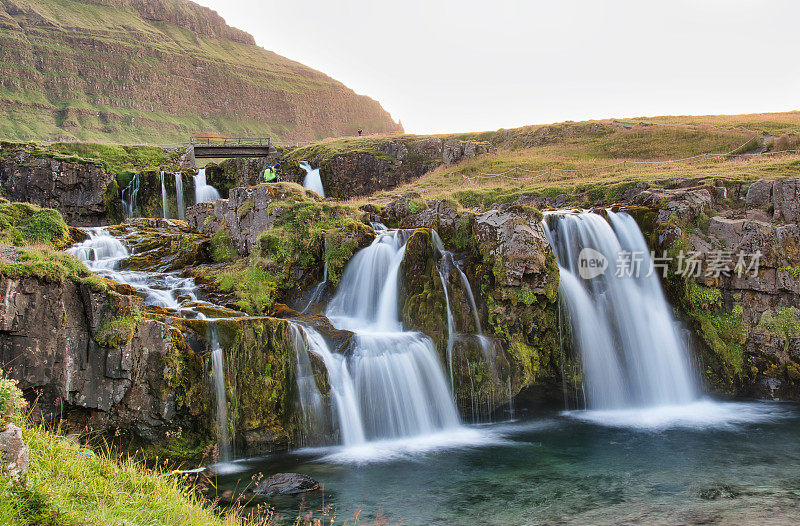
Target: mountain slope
x,y
156,71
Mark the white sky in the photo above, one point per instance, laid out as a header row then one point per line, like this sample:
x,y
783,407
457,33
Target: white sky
x,y
447,65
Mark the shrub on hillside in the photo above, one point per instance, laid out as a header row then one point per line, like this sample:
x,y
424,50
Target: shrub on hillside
x,y
11,401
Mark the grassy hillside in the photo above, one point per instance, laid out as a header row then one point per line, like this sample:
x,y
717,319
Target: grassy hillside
x,y
603,158
156,71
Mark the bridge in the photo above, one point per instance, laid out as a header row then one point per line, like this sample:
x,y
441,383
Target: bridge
x,y
227,147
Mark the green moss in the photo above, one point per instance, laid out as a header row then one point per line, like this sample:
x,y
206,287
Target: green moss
x,y
222,249
794,271
255,288
53,266
118,331
22,224
784,323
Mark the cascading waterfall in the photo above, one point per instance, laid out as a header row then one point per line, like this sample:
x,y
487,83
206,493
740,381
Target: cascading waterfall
x,y
102,253
390,384
179,195
129,195
312,180
631,351
164,209
203,192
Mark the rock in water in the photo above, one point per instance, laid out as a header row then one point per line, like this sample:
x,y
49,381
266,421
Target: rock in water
x,y
285,484
14,453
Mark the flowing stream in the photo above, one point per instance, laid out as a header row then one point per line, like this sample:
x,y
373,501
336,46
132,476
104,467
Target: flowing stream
x,y
312,180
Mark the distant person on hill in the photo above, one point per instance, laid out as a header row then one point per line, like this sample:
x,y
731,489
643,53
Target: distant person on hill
x,y
360,131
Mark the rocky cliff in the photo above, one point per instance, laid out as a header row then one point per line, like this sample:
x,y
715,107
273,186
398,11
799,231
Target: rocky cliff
x,y
156,71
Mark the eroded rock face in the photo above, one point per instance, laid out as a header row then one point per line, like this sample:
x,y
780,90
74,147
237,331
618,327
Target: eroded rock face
x,y
79,191
47,344
246,213
382,164
13,453
740,356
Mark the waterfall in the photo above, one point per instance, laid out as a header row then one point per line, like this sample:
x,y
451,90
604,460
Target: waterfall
x,y
203,192
389,383
631,352
343,390
312,180
129,195
164,197
443,268
218,377
102,253
179,195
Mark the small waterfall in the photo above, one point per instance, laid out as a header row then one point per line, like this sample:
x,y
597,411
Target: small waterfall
x,y
390,383
312,180
443,267
203,192
179,195
319,290
164,207
102,253
129,195
218,377
314,422
631,352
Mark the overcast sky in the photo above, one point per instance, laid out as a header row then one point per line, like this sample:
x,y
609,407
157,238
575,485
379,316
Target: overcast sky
x,y
443,66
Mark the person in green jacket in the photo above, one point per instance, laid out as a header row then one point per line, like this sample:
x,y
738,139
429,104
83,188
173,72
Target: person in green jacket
x,y
270,175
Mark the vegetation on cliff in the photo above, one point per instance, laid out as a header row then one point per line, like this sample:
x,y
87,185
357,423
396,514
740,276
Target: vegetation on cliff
x,y
25,224
112,70
307,235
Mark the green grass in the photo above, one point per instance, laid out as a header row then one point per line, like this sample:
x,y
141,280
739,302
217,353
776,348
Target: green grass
x,y
24,224
65,487
50,265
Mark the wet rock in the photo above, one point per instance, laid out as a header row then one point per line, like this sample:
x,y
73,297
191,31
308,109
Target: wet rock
x,y
285,484
13,453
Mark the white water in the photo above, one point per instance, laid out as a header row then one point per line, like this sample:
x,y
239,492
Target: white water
x,y
203,192
164,209
631,351
129,195
218,377
312,180
102,253
179,195
391,384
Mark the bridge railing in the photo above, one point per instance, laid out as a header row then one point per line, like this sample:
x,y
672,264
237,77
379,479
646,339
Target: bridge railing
x,y
230,141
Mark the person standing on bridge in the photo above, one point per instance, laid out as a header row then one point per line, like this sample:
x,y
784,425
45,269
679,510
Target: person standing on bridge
x,y
360,131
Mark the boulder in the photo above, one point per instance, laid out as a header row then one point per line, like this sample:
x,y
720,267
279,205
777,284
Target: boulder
x,y
759,195
13,453
786,200
285,484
